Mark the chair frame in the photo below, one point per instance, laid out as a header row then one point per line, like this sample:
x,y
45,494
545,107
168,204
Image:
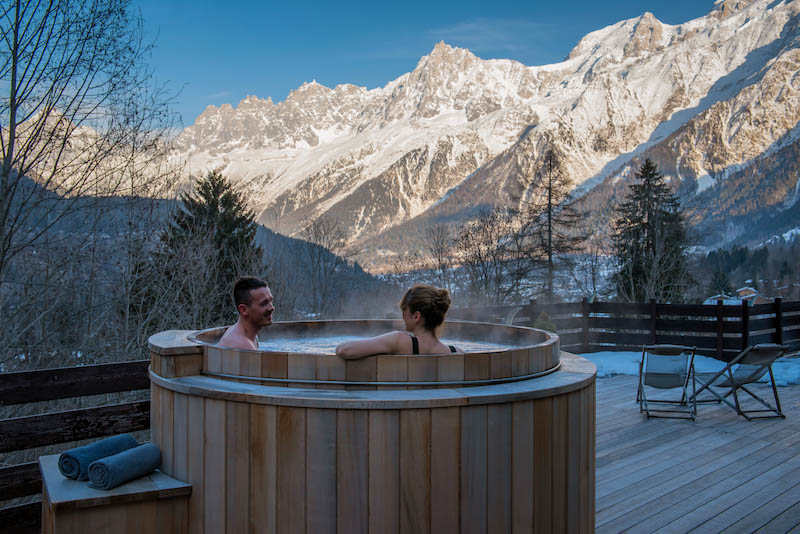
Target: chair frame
x,y
732,386
687,403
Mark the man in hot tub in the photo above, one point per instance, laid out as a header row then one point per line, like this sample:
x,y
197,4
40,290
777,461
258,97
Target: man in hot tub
x,y
253,301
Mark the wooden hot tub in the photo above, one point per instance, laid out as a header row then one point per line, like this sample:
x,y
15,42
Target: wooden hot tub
x,y
494,441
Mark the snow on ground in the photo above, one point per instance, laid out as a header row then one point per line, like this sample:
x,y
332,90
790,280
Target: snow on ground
x,y
786,370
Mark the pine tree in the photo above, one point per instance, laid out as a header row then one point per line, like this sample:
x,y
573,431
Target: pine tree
x,y
551,219
650,241
720,285
186,281
217,212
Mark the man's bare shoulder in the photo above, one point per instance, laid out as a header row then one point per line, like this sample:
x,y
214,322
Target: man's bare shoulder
x,y
234,339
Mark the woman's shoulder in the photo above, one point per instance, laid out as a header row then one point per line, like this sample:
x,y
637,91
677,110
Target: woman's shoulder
x,y
399,342
399,334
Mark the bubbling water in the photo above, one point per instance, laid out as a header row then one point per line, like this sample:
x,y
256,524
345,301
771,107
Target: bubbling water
x,y
327,344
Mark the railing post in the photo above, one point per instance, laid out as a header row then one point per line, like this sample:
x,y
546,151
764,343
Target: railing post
x,y
585,324
653,339
720,330
779,320
532,312
745,325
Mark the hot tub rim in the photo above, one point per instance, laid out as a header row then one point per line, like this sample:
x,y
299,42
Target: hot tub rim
x,y
550,337
575,373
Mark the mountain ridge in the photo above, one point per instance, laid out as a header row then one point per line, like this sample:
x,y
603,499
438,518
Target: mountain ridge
x,y
699,97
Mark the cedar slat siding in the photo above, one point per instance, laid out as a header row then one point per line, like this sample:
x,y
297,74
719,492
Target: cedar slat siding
x,y
482,468
321,471
263,466
445,462
384,464
318,371
175,412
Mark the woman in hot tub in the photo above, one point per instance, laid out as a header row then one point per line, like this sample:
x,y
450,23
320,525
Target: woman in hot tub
x,y
424,308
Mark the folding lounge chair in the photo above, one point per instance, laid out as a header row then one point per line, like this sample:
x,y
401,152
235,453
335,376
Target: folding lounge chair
x,y
667,367
750,365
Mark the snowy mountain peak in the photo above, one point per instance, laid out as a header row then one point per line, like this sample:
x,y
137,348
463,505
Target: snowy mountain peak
x,y
702,97
307,92
647,36
725,8
443,52
629,38
252,102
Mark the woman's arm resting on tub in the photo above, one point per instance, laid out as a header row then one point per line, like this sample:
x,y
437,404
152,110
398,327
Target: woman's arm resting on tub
x,y
391,343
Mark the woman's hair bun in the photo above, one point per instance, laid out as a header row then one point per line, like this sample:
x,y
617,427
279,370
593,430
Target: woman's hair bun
x,y
432,302
442,300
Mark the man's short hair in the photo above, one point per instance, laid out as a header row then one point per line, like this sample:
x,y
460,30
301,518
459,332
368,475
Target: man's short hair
x,y
242,288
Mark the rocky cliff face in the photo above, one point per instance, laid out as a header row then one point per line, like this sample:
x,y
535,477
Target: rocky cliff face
x,y
706,99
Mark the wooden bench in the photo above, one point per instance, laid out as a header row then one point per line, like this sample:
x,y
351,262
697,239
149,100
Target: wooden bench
x,y
155,503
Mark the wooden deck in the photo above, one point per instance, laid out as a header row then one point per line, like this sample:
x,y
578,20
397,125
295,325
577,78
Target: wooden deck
x,y
720,473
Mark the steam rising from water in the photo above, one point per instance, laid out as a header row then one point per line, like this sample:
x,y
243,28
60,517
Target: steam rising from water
x,y
327,344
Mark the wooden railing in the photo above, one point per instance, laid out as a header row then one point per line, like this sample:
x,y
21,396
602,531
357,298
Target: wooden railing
x,y
61,427
717,330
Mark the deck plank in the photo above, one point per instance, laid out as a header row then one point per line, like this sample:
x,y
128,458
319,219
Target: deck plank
x,y
761,518
788,521
651,488
720,473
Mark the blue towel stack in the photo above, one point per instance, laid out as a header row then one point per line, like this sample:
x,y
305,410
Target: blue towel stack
x,y
110,462
118,469
74,463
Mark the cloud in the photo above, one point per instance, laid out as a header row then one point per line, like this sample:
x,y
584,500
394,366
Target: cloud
x,y
219,94
529,42
496,36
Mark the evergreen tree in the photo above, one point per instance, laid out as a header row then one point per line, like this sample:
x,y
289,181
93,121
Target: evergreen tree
x,y
650,241
543,322
720,285
186,281
551,219
786,271
215,211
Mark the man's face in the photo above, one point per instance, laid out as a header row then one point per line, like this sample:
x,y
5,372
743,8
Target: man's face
x,y
259,311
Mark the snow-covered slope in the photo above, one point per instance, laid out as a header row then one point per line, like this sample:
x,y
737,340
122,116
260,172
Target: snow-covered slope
x,y
704,98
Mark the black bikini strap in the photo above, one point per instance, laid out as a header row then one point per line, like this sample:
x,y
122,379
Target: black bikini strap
x,y
414,345
452,348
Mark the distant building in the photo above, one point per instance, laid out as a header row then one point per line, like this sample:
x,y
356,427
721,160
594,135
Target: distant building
x,y
726,299
743,294
752,296
746,291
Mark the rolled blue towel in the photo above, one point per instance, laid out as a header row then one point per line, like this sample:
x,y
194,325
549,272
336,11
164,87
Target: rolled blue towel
x,y
74,463
108,473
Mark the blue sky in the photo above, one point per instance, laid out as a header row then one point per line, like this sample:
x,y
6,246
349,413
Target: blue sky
x,y
219,52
